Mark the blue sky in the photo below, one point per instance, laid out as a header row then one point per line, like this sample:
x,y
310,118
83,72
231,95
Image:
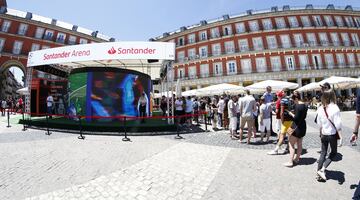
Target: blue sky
x,y
143,19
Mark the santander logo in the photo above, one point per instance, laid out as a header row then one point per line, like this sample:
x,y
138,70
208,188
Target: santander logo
x,y
112,51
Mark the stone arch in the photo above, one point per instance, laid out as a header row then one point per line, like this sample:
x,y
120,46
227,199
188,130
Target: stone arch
x,y
12,63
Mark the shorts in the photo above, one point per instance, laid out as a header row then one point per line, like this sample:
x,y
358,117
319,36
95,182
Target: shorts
x,y
249,120
266,124
233,123
285,126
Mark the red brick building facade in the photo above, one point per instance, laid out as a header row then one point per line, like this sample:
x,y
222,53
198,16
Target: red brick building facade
x,y
295,44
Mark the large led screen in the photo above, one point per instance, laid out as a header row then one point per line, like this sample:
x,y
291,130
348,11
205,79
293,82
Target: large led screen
x,y
102,94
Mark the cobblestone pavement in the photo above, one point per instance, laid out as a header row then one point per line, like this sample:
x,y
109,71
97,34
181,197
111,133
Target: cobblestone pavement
x,y
207,165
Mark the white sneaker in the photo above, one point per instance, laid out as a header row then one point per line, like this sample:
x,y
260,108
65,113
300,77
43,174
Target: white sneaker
x,y
273,152
340,142
321,174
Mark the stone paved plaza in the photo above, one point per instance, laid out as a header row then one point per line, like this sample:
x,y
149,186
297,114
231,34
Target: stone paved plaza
x,y
205,165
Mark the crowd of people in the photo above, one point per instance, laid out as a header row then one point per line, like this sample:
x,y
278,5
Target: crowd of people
x,y
236,112
12,104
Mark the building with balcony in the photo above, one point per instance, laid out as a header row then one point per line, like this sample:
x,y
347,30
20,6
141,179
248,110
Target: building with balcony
x,y
295,44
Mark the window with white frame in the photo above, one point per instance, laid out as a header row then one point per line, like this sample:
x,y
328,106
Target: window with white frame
x,y
45,47
311,38
217,68
72,39
83,41
215,32
181,41
39,32
335,39
280,22
181,73
293,22
61,37
349,21
2,43
5,26
35,47
229,47
240,27
216,49
267,24
317,20
227,30
22,29
316,59
328,20
243,45
253,25
203,35
48,35
203,51
339,21
329,60
340,60
192,72
257,42
305,20
275,63
285,41
191,54
345,38
299,40
351,59
260,64
271,42
246,66
357,21
290,62
324,41
355,39
304,61
231,67
204,70
17,47
180,56
191,38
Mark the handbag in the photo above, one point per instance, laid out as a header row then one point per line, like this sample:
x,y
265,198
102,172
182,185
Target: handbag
x,y
337,133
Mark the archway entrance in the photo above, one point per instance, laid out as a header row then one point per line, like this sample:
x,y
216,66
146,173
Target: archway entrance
x,y
12,77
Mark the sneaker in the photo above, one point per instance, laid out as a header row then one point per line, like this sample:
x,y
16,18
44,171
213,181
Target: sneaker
x,y
288,164
273,152
340,142
321,174
319,179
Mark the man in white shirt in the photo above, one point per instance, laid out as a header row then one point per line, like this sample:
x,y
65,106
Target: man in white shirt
x,y
232,116
221,106
178,108
189,109
247,107
49,104
264,119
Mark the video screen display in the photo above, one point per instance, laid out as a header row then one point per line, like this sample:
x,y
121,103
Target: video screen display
x,y
108,92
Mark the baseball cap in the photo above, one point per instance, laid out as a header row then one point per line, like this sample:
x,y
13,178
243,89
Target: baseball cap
x,y
280,93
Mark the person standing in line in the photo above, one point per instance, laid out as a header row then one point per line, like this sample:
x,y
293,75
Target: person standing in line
x,y
163,106
3,107
221,106
247,108
189,110
357,118
329,121
20,104
49,105
213,111
232,116
264,119
178,109
142,107
269,98
297,130
195,106
256,115
226,114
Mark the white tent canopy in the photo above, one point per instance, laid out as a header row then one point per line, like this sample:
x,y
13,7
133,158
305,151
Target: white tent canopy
x,y
159,95
23,91
219,89
274,84
189,93
309,87
338,82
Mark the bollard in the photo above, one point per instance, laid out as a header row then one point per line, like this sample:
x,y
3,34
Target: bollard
x,y
8,119
23,118
125,139
47,125
81,137
177,131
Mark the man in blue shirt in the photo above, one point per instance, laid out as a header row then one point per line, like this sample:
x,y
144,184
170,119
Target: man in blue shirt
x,y
268,97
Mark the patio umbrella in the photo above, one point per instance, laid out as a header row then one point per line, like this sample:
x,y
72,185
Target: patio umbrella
x,y
189,93
275,85
23,91
342,83
159,95
219,89
310,87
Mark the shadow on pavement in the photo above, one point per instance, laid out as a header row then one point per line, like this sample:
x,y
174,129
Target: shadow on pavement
x,y
357,191
307,161
338,157
336,175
